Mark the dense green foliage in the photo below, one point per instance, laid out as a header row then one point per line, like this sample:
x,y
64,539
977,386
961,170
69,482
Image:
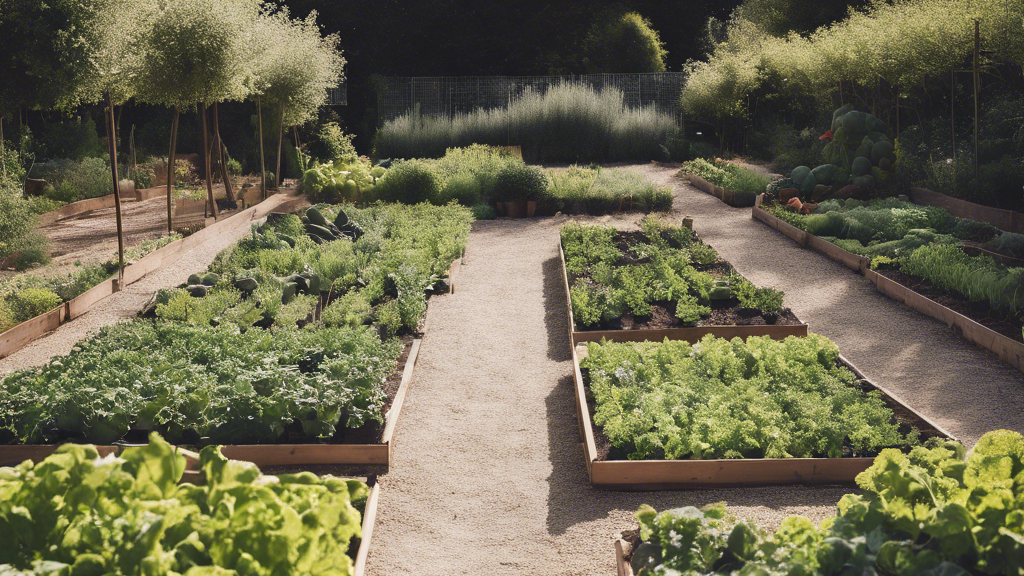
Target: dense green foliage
x,y
929,512
76,513
596,190
567,123
662,267
745,184
624,43
733,399
922,241
211,383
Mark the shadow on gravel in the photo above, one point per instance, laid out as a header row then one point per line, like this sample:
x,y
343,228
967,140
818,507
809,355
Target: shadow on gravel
x,y
556,318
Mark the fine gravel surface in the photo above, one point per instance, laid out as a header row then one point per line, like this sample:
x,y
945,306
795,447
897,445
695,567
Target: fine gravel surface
x,y
487,474
121,306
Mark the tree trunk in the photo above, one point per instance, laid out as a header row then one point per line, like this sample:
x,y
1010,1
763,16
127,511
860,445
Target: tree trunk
x,y
263,162
280,142
206,161
298,148
170,171
112,146
222,156
3,155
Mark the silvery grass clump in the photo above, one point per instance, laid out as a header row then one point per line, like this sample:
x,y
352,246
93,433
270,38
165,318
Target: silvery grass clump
x,y
569,122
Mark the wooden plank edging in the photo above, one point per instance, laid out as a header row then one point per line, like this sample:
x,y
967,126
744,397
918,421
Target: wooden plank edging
x,y
25,333
77,208
1007,220
685,474
369,519
622,549
1007,349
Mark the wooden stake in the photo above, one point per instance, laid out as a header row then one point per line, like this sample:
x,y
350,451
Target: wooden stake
x,y
207,160
170,170
280,143
263,163
228,190
112,146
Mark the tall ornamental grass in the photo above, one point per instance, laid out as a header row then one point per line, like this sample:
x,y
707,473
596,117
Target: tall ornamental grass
x,y
570,122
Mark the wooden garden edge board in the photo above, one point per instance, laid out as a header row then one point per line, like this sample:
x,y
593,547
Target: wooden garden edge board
x,y
1007,220
622,549
657,335
369,519
81,207
23,334
1007,349
685,474
274,454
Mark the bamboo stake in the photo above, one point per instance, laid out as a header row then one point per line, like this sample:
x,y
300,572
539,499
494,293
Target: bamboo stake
x,y
263,163
207,160
170,170
280,142
112,146
228,189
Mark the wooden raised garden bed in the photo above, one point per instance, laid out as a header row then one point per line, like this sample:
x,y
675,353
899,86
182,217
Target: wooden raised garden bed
x,y
778,332
724,194
1007,220
1009,350
623,549
23,334
685,474
277,454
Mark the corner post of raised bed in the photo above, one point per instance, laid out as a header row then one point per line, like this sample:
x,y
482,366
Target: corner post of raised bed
x,y
112,147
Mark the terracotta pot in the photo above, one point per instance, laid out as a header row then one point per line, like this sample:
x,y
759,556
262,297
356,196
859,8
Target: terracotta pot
x,y
531,208
515,209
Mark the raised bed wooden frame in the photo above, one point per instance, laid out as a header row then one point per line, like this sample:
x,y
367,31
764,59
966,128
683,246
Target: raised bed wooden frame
x,y
1007,220
724,194
23,334
276,454
1007,349
689,334
685,474
622,549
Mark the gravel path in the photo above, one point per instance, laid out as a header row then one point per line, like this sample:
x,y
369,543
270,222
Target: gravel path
x,y
488,475
120,306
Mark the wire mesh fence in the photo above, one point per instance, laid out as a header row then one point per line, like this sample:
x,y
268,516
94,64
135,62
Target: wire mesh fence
x,y
452,95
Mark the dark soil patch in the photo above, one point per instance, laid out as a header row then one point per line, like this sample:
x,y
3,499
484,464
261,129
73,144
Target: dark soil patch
x,y
980,312
663,313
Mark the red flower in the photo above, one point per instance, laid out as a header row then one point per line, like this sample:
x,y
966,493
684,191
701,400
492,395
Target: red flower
x,y
827,136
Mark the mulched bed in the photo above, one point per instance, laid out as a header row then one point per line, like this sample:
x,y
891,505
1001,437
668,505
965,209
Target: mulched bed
x,y
980,312
723,312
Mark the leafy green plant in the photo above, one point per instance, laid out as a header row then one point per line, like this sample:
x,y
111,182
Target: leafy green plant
x,y
927,512
352,310
210,382
131,513
35,249
409,182
595,190
733,399
519,182
32,302
979,278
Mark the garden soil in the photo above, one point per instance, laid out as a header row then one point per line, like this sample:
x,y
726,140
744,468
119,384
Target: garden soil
x,y
487,475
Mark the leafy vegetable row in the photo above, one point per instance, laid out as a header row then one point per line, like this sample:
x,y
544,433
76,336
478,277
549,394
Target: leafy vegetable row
x,y
923,241
759,398
76,514
927,513
608,282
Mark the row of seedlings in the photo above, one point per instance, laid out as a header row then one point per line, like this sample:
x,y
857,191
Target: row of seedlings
x,y
295,347
729,400
965,273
